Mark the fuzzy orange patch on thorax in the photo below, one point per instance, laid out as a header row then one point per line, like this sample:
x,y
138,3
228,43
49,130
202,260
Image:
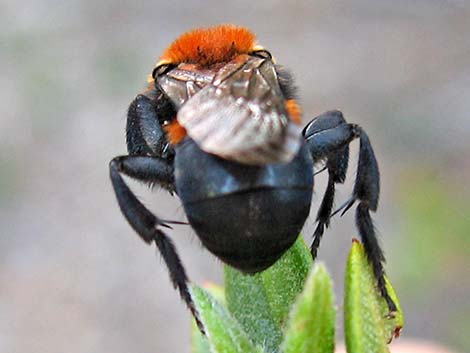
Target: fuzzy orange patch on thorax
x,y
208,46
175,132
294,111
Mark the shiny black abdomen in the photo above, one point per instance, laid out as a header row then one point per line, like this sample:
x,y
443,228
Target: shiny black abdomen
x,y
247,216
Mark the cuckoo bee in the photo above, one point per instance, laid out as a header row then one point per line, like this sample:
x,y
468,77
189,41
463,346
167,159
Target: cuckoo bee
x,y
219,126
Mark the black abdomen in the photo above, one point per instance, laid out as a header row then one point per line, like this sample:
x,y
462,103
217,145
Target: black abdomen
x,y
247,216
250,230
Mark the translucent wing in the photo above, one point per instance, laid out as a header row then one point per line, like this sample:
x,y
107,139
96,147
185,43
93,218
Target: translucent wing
x,y
240,115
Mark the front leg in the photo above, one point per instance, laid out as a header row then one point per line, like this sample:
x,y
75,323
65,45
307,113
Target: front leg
x,y
328,137
145,119
151,170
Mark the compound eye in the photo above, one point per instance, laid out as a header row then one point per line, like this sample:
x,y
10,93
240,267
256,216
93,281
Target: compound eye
x,y
262,53
162,69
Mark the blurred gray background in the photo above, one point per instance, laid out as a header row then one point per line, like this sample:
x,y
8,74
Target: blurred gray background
x,y
73,275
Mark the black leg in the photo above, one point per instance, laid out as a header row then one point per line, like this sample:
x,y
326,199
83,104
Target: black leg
x,y
323,215
144,132
151,170
326,141
328,137
373,251
155,171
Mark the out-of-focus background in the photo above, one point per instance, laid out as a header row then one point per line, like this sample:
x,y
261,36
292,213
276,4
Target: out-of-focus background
x,y
73,275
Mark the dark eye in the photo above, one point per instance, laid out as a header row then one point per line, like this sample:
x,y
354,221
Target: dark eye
x,y
262,53
162,69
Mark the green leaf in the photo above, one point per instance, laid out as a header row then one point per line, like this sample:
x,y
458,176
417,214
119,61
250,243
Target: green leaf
x,y
311,326
392,327
223,332
199,342
367,328
261,302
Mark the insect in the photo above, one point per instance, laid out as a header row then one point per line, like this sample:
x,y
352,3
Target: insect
x,y
219,126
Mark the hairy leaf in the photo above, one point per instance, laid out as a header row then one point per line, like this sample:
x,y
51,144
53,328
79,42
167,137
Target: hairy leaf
x,y
367,325
261,302
311,326
224,334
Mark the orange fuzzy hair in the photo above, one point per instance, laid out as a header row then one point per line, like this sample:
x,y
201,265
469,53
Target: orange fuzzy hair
x,y
208,46
294,111
175,132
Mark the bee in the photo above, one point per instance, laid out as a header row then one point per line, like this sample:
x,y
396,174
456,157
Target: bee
x,y
219,126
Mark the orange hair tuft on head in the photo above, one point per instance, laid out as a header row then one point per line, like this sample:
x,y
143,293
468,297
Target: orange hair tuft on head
x,y
208,46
